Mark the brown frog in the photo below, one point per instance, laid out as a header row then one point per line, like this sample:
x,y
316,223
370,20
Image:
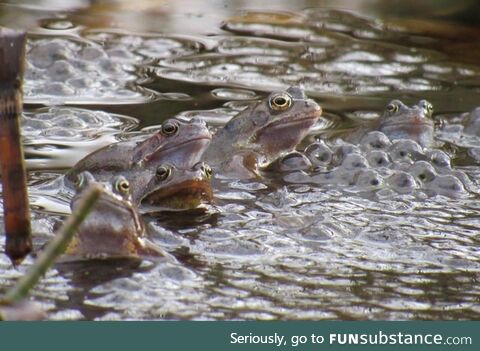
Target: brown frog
x,y
402,122
113,228
172,188
263,132
179,143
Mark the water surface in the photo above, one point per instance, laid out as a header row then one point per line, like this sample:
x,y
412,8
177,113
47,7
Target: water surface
x,y
283,247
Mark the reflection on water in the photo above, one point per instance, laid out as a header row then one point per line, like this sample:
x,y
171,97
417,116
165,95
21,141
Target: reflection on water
x,y
356,234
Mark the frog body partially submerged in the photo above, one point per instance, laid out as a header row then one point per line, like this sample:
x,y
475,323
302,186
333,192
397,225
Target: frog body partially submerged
x,y
177,146
173,188
263,132
113,228
179,143
402,122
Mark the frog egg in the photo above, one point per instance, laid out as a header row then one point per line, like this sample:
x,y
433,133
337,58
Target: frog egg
x,y
54,89
405,150
93,119
463,177
44,54
294,161
60,71
60,132
71,122
378,158
353,161
368,178
402,182
447,185
80,82
341,151
90,53
33,124
423,171
438,158
319,153
375,140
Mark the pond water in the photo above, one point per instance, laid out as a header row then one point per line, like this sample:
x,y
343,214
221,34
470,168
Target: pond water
x,y
290,245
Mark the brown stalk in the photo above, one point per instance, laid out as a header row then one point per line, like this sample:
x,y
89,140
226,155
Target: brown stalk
x,y
14,186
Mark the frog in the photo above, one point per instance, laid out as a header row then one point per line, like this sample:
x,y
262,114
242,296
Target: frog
x,y
180,143
399,121
261,133
113,228
172,188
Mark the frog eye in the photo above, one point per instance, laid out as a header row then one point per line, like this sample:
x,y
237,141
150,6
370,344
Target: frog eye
x,y
427,106
163,172
206,170
169,128
280,102
392,107
122,186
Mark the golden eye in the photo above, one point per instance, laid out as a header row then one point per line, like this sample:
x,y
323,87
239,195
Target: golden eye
x,y
280,102
163,172
392,107
206,170
427,106
122,186
169,128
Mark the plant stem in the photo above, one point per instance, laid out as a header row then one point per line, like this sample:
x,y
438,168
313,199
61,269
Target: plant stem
x,y
18,239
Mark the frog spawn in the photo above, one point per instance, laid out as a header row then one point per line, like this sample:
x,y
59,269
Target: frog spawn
x,y
377,165
463,132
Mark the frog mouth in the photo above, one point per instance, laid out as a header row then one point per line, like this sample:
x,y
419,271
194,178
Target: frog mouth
x,y
185,195
192,148
412,128
416,120
297,121
199,139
